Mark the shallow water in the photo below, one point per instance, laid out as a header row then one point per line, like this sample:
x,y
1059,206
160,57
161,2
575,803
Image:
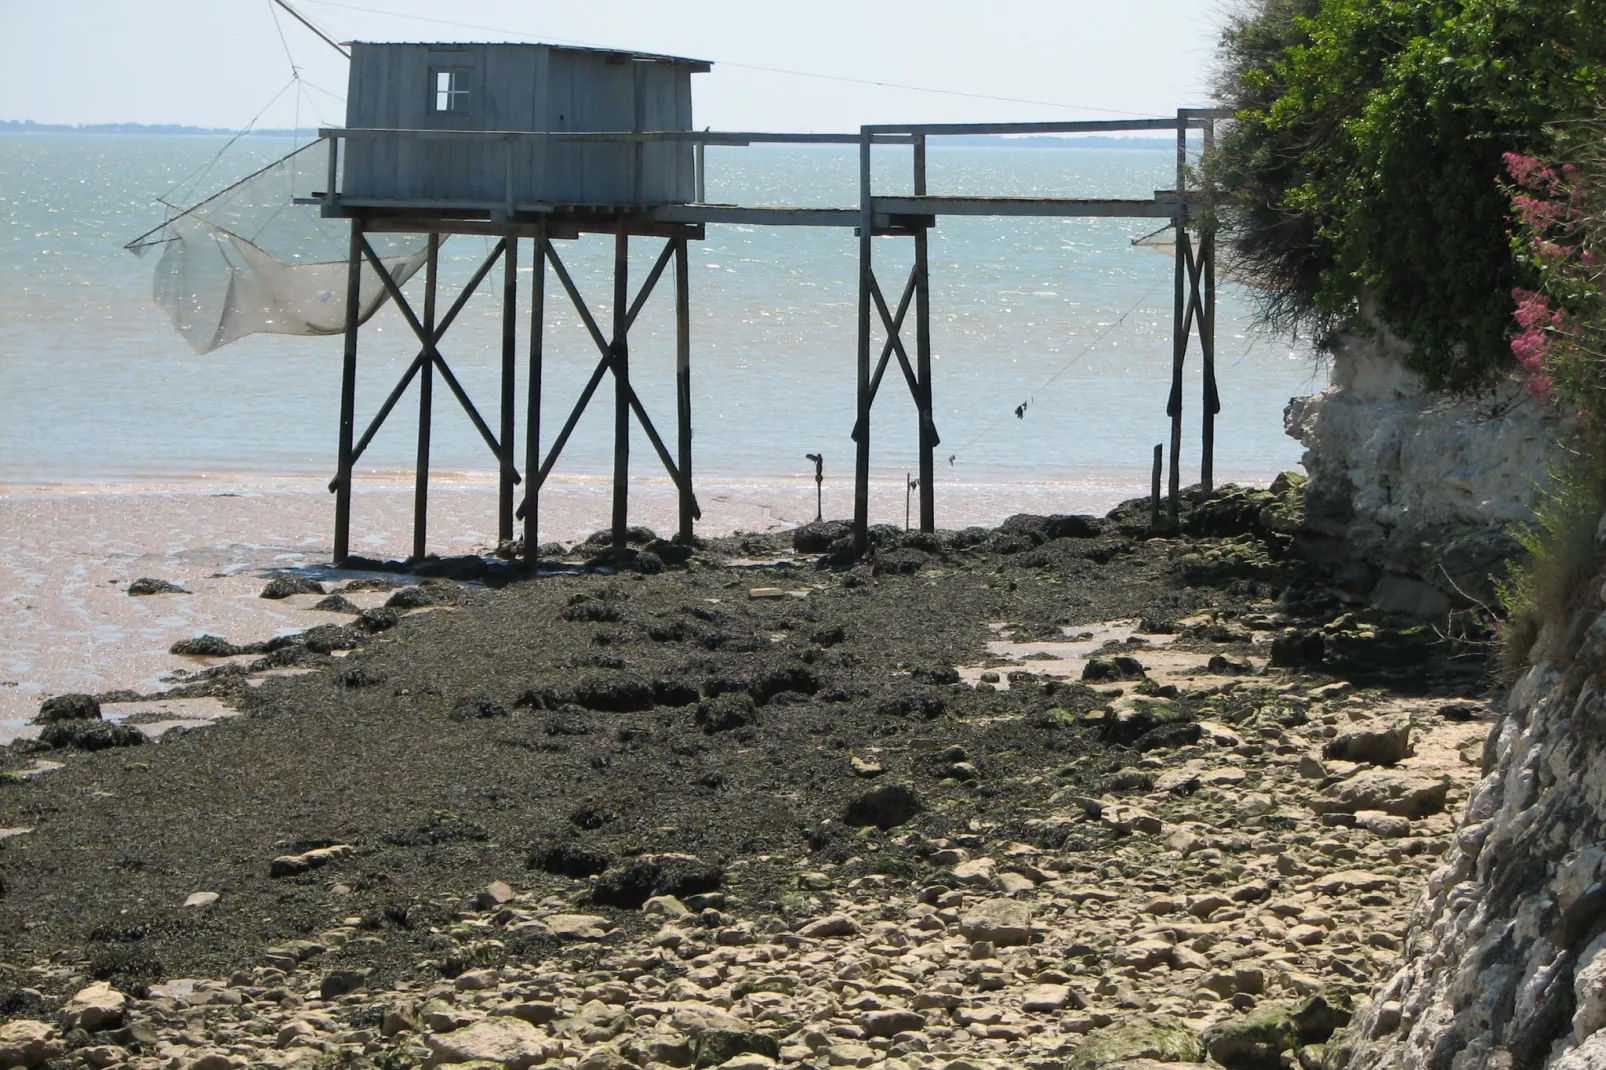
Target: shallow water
x,y
1062,315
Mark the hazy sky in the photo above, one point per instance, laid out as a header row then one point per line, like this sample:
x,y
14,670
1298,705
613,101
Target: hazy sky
x,y
220,62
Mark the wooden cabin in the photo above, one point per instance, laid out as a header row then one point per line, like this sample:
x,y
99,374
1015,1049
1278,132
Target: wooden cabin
x,y
436,109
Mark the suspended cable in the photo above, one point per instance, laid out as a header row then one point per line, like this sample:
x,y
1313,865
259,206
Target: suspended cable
x,y
1084,351
731,63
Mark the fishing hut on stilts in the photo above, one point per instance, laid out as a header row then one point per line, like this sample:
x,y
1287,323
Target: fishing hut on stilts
x,y
534,145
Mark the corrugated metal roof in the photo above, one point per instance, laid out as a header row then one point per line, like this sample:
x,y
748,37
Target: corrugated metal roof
x,y
612,53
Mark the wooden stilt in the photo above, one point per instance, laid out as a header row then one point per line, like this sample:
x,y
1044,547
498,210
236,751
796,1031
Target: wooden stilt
x,y
928,430
621,385
348,397
1207,335
426,383
532,425
861,463
510,327
1179,336
683,385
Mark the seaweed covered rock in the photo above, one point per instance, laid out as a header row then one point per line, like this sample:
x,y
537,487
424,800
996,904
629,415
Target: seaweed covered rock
x,y
75,707
1157,1037
91,735
631,885
884,807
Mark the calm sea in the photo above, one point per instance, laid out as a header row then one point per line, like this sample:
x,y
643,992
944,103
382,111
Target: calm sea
x,y
1064,317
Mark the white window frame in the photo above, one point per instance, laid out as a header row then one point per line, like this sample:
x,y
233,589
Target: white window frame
x,y
448,86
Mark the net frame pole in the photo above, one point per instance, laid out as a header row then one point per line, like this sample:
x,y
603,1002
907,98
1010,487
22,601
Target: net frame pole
x,y
861,459
348,396
688,504
510,326
426,397
532,426
922,270
621,385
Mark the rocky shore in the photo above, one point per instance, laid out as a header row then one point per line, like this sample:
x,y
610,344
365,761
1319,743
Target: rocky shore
x,y
1055,795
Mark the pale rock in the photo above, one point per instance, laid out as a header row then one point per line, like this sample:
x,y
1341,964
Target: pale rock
x,y
1185,842
1383,824
512,1042
293,1031
666,905
102,1056
1376,744
1144,954
1124,819
1202,906
693,1018
977,872
1040,999
890,1023
1394,791
833,925
1346,881
1220,734
1004,922
26,1043
97,1007
1013,883
1589,990
494,895
1162,904
201,899
577,926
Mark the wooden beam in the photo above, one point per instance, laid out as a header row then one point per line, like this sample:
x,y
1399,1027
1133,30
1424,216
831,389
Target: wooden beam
x,y
1179,337
923,392
688,504
348,396
530,512
510,326
621,387
425,403
1073,207
861,460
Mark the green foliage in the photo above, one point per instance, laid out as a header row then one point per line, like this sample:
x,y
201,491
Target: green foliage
x,y
1360,180
1561,560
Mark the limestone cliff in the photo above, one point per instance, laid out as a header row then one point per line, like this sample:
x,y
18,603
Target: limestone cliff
x,y
1412,492
1505,964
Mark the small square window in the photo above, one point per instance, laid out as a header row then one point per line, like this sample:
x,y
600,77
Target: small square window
x,y
450,90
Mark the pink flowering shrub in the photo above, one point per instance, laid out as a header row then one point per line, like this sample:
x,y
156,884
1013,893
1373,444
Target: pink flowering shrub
x,y
1560,208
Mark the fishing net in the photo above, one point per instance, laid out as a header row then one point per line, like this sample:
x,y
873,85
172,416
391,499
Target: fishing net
x,y
249,260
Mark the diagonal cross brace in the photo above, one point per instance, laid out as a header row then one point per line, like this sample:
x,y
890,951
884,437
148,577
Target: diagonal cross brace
x,y
894,344
1195,307
418,361
605,365
435,358
886,349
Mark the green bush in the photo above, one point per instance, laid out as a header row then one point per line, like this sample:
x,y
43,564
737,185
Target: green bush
x,y
1555,579
1360,180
